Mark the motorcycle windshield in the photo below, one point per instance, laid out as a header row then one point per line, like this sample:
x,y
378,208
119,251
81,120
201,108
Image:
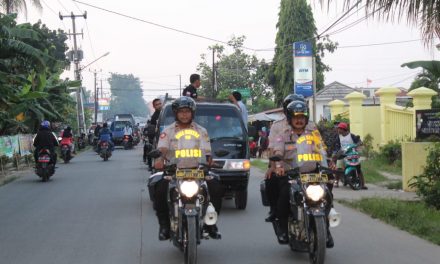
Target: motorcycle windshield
x,y
306,153
187,149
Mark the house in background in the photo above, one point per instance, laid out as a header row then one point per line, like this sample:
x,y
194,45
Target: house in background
x,y
337,90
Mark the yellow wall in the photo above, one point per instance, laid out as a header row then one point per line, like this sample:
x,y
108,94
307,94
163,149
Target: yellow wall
x,y
413,160
371,116
401,124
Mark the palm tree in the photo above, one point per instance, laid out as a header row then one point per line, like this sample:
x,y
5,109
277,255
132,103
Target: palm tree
x,y
420,13
11,6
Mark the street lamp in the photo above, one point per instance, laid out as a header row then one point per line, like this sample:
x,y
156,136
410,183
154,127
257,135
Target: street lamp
x,y
102,56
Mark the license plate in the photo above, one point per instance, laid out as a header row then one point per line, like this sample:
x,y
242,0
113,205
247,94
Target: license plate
x,y
314,177
44,159
190,174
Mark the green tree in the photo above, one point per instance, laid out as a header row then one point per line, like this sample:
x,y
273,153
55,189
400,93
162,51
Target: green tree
x,y
31,61
295,23
429,77
11,6
236,70
423,14
126,95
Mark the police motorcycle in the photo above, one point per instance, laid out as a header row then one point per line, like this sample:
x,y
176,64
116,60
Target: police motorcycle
x,y
188,202
309,199
351,163
105,151
44,167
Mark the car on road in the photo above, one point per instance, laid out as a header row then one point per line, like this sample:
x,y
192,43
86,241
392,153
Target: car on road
x,y
229,143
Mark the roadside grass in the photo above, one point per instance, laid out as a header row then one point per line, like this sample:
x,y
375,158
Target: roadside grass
x,y
411,216
259,164
370,171
379,163
394,185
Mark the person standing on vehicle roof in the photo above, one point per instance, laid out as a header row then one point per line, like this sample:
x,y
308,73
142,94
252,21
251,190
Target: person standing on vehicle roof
x,y
191,90
170,144
235,98
277,128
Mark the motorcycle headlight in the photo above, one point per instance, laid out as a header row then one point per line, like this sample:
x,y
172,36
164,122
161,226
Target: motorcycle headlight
x,y
189,188
315,192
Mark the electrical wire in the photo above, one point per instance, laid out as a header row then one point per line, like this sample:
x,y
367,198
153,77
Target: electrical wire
x,y
158,25
379,79
62,22
59,2
407,78
340,18
379,44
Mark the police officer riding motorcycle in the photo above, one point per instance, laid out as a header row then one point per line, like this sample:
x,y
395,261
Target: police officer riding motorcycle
x,y
184,145
305,186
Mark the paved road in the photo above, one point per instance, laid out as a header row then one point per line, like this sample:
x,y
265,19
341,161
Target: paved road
x,y
96,212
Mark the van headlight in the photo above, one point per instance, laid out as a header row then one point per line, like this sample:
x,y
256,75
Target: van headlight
x,y
189,188
315,192
237,165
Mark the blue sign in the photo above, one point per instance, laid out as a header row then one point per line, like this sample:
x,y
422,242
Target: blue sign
x,y
306,89
303,49
104,107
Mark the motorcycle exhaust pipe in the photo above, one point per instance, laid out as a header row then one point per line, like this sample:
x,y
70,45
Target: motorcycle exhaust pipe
x,y
334,218
211,215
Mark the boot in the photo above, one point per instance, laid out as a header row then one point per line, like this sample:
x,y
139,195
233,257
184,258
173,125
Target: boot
x,y
330,243
282,235
164,228
271,216
212,231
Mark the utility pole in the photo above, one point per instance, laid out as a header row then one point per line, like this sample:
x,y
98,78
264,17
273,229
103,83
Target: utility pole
x,y
213,72
180,84
101,89
76,59
95,83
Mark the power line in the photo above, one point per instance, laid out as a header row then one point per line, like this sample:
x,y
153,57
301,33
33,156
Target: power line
x,y
63,6
158,25
55,13
379,44
331,33
340,18
379,79
407,78
347,17
356,22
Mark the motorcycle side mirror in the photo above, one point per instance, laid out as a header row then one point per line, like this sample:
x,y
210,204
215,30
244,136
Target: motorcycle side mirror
x,y
155,154
221,153
275,158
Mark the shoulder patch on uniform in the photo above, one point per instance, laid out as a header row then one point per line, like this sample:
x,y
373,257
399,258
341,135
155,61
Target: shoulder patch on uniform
x,y
163,135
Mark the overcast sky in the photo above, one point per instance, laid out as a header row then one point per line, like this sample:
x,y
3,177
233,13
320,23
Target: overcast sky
x,y
157,55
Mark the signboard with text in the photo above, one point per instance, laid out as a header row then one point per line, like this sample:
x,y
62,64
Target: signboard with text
x,y
427,123
303,68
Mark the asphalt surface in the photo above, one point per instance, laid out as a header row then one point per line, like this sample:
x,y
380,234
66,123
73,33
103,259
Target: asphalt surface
x,y
99,212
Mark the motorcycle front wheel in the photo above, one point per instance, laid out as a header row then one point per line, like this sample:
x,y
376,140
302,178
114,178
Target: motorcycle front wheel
x,y
354,180
318,240
190,240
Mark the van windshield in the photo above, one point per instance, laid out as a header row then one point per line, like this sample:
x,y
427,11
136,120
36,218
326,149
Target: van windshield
x,y
118,125
221,123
